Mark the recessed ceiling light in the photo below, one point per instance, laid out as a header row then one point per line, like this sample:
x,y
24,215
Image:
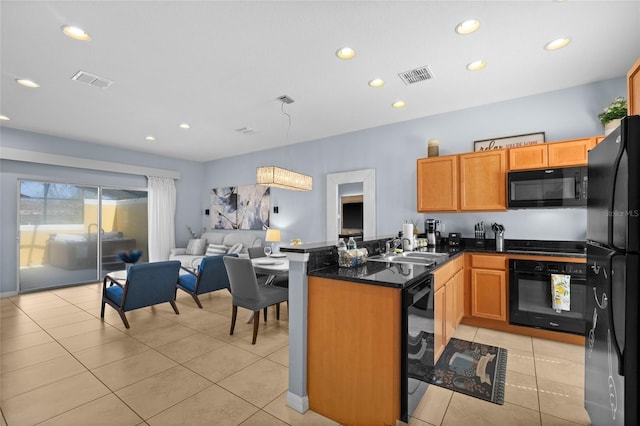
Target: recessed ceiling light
x,y
558,43
467,27
4,118
75,33
184,126
150,138
476,65
376,82
399,104
27,83
346,53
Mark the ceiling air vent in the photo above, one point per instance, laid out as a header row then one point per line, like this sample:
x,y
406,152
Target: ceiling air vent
x,y
416,75
92,79
246,131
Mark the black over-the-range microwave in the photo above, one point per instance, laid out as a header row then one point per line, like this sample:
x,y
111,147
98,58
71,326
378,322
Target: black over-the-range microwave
x,y
561,187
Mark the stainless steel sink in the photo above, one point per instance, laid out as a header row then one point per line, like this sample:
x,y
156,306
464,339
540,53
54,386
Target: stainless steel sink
x,y
419,258
424,255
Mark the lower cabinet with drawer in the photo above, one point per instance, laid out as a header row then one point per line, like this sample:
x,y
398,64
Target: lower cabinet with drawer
x,y
489,286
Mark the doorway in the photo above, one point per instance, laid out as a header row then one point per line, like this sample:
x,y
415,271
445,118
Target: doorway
x,y
351,210
72,234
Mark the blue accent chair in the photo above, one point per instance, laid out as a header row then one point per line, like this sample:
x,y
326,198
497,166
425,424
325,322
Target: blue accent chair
x,y
211,275
147,284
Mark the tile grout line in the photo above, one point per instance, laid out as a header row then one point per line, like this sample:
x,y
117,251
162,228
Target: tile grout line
x,y
113,392
84,366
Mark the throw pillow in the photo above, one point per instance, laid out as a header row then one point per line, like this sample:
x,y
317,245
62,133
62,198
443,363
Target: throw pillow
x,y
215,249
196,246
235,249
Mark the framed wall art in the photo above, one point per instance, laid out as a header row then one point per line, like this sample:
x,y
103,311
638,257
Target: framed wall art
x,y
508,141
240,207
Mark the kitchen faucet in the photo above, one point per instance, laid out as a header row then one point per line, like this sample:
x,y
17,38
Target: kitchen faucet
x,y
394,242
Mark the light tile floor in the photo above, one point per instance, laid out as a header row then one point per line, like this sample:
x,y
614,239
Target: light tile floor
x,y
544,386
61,365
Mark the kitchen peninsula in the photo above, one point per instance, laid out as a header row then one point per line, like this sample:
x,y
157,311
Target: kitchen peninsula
x,y
348,325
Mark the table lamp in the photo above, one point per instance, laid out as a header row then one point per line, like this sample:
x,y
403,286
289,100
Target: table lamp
x,y
273,236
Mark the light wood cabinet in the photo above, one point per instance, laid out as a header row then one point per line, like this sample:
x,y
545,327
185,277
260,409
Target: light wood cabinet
x,y
633,89
483,181
448,302
568,153
489,287
353,352
439,323
458,284
438,184
454,301
528,157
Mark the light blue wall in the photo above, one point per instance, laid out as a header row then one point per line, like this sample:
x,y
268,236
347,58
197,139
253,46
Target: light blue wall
x,y
392,150
188,188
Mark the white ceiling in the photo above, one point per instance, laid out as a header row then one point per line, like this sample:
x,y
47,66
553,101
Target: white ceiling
x,y
221,66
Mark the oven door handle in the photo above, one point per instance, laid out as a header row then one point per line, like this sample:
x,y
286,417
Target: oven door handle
x,y
418,291
420,294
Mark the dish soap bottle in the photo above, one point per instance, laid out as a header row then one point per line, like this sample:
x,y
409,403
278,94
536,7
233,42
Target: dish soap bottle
x,y
351,244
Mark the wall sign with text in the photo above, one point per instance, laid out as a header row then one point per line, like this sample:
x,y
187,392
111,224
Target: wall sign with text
x,y
509,142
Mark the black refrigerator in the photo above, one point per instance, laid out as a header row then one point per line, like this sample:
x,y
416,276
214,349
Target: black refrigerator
x,y
613,258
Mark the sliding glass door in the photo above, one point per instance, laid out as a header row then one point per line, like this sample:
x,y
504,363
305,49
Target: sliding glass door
x,y
72,234
124,226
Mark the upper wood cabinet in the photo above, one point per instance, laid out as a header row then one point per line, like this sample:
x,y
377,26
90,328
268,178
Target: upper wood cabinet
x,y
483,180
633,89
572,152
438,184
528,157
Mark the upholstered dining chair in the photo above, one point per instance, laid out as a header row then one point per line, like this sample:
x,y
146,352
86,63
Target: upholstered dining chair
x,y
147,284
248,294
211,275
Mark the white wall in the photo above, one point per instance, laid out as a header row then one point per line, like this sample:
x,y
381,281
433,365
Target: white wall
x,y
392,150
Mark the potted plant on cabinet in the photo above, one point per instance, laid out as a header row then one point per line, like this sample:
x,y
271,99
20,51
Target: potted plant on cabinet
x,y
611,116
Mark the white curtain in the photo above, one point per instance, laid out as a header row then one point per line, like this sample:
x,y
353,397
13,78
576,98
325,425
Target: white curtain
x,y
161,217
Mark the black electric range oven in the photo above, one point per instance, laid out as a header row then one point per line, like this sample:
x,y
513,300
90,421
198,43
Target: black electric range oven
x,y
530,295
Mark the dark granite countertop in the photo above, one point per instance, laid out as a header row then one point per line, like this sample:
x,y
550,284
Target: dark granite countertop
x,y
401,275
387,274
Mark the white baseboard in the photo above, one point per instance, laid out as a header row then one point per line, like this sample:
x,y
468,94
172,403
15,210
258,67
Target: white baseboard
x,y
8,294
297,402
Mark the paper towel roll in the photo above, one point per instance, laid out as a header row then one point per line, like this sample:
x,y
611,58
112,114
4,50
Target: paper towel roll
x,y
407,232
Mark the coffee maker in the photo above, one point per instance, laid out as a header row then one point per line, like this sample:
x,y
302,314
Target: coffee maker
x,y
431,228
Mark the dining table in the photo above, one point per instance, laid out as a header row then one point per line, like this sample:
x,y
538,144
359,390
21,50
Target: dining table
x,y
272,266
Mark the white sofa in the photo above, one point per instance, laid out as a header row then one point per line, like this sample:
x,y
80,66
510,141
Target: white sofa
x,y
219,237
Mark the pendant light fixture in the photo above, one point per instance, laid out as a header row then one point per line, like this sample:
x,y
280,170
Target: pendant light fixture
x,y
279,177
